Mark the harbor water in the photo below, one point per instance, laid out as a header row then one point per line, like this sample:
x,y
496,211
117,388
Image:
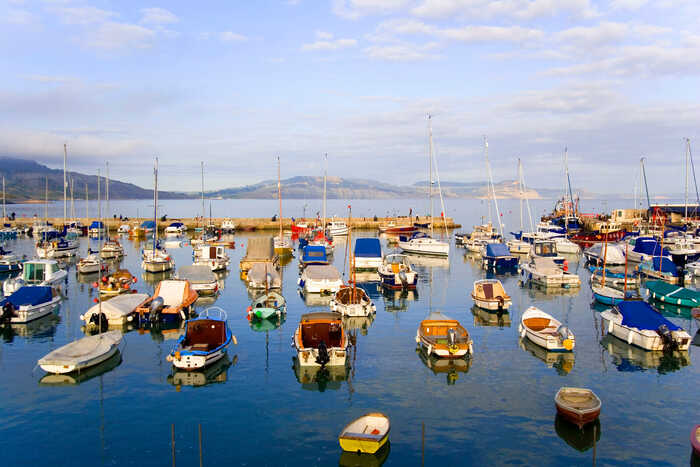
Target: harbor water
x,y
257,408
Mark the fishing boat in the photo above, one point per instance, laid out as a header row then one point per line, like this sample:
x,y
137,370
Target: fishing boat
x,y
36,272
545,272
320,279
695,440
118,283
337,228
204,342
200,277
8,262
320,340
663,268
397,273
497,256
367,254
366,434
578,405
545,331
352,301
92,263
443,337
82,353
115,312
111,249
614,256
637,323
489,294
28,303
673,294
270,304
264,276
313,255
546,249
172,300
213,256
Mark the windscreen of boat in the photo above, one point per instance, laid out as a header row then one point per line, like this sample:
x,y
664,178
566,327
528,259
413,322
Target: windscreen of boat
x,y
313,333
33,272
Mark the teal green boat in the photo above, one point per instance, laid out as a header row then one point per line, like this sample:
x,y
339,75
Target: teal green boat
x,y
673,294
269,305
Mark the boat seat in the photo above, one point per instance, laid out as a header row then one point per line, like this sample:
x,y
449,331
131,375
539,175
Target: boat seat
x,y
395,268
363,435
201,347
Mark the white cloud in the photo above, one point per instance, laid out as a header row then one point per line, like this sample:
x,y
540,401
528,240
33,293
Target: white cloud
x,y
628,4
323,35
401,52
113,36
83,14
353,9
593,36
519,9
387,31
158,16
334,44
230,36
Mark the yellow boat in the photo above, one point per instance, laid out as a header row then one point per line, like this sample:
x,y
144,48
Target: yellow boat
x,y
367,434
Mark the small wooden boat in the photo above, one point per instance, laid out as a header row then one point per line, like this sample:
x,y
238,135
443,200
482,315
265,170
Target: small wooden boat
x,y
546,331
443,337
29,303
115,312
396,273
171,301
82,353
366,434
268,305
118,283
489,294
204,342
320,340
578,405
673,294
607,295
352,301
695,440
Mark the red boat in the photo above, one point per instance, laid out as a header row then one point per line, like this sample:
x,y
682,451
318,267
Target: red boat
x,y
578,405
589,238
301,228
392,228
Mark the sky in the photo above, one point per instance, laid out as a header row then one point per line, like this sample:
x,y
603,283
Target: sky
x,y
237,83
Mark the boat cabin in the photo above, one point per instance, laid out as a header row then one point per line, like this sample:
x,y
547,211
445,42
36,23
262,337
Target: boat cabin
x,y
204,335
322,327
39,271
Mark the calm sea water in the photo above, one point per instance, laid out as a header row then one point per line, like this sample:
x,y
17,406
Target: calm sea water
x,y
497,409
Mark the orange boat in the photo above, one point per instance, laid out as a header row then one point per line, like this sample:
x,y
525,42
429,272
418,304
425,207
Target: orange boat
x,y
443,337
173,300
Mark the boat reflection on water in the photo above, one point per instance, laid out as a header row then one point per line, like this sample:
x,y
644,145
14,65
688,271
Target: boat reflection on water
x,y
671,311
154,278
490,318
369,282
398,300
627,357
581,439
285,260
161,332
69,379
205,301
37,329
316,299
451,367
426,261
540,293
87,278
269,324
361,323
355,459
563,362
214,373
315,378
696,339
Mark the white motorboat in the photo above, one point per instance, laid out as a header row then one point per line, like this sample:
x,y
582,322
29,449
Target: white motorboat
x,y
638,324
337,228
112,249
158,261
82,353
320,340
518,247
124,229
213,256
565,246
613,254
320,279
422,244
352,301
545,331
29,303
36,272
58,248
544,271
644,249
204,342
175,229
115,312
228,226
92,263
201,277
396,272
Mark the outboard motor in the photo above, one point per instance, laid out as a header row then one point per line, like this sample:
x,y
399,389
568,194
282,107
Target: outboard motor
x,y
403,278
100,321
451,338
323,357
563,332
501,304
156,309
8,311
667,338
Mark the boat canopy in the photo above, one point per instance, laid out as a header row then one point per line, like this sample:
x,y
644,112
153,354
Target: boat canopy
x,y
641,315
664,264
648,246
29,295
260,249
97,225
322,272
495,250
148,225
314,253
368,248
197,274
176,224
33,271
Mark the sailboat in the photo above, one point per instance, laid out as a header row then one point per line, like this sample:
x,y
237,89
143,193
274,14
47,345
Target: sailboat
x,y
283,246
604,293
518,245
156,259
420,243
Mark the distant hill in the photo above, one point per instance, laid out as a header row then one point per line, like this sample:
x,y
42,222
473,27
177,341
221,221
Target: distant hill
x,y
26,180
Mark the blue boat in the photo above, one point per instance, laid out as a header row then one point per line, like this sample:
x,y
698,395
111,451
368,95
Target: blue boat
x,y
8,262
203,343
645,248
497,256
368,254
608,273
148,226
313,254
662,268
28,303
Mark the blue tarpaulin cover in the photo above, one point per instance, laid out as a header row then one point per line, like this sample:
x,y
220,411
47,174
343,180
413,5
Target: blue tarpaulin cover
x,y
368,248
148,225
175,224
29,295
640,315
494,250
664,264
648,246
97,225
314,253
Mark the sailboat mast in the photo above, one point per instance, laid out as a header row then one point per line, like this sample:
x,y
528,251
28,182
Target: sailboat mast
x,y
493,187
99,207
65,182
107,196
204,212
155,206
430,170
72,199
687,151
87,206
4,214
325,173
520,189
46,201
279,194
566,201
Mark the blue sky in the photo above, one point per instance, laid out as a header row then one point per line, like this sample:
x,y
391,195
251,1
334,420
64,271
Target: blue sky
x,y
237,83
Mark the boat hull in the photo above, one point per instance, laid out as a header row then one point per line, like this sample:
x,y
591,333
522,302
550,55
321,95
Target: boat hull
x,y
190,362
645,339
27,314
492,305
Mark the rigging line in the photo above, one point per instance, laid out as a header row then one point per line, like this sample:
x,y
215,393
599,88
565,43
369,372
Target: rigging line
x,y
695,180
442,201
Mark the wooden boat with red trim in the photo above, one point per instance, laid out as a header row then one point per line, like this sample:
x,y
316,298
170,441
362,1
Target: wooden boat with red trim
x,y
443,337
578,405
320,340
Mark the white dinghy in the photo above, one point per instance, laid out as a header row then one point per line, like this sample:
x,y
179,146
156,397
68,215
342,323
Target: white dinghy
x,y
82,353
116,311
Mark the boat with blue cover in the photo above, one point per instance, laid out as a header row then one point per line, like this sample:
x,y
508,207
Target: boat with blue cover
x,y
661,267
204,342
313,255
645,248
9,262
368,254
29,303
673,294
497,256
96,228
639,324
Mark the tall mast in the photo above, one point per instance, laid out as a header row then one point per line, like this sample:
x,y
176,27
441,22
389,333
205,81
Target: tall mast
x,y
493,187
155,207
204,212
107,196
46,201
65,183
520,189
566,201
99,207
72,199
687,157
87,206
325,173
4,214
430,171
279,194
641,168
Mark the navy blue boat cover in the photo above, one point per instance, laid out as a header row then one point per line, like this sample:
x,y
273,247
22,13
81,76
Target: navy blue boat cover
x,y
148,225
29,295
494,250
664,264
640,315
175,224
368,248
649,246
97,225
314,253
